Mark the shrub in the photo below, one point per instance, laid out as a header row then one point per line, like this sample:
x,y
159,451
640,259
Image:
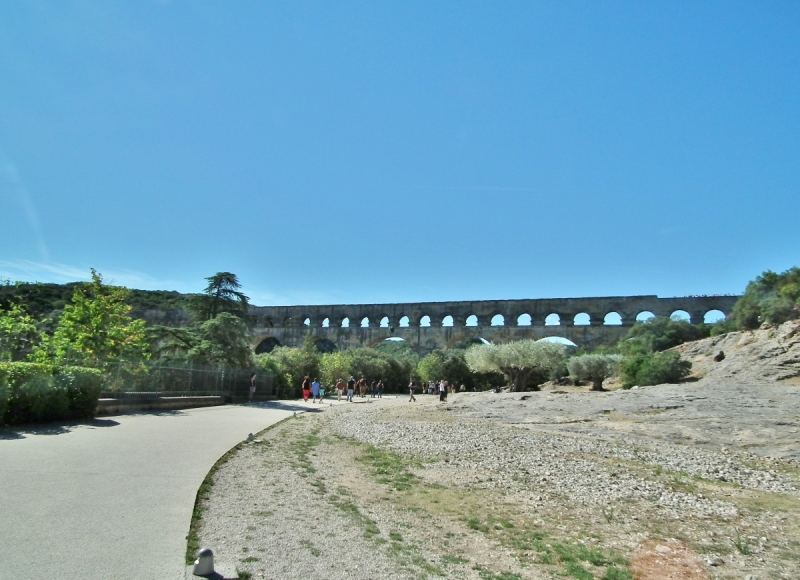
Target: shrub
x,y
660,333
771,298
36,393
653,369
83,388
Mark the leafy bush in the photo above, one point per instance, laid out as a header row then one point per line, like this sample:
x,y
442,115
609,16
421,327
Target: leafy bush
x,y
771,298
660,333
371,364
35,393
267,363
653,369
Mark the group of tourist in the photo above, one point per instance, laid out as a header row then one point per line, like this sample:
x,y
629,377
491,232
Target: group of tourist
x,y
433,387
315,391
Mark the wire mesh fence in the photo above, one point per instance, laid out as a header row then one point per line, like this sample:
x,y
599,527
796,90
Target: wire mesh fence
x,y
185,380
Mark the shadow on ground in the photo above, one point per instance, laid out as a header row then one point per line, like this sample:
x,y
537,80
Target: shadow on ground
x,y
21,431
285,406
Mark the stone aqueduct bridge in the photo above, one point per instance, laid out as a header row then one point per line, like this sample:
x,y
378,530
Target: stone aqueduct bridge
x,y
430,325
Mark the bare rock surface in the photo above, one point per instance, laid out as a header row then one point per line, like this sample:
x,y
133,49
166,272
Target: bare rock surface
x,y
771,352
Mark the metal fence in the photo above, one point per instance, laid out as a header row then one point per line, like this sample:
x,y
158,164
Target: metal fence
x,y
176,380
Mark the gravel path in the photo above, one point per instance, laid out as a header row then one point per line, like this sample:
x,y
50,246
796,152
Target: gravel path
x,y
507,485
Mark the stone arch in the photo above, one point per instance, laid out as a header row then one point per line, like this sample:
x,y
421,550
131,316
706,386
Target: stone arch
x,y
346,322
448,321
644,315
462,340
498,320
384,338
364,322
287,322
425,321
384,322
524,320
714,316
472,320
325,345
307,322
404,322
326,323
680,315
552,320
612,319
559,340
267,344
582,319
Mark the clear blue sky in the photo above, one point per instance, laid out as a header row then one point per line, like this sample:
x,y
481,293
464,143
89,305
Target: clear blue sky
x,y
401,151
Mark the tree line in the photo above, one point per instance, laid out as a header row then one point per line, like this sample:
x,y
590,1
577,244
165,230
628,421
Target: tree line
x,y
94,329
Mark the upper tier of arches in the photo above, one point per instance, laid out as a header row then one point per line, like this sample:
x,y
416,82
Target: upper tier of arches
x,y
612,318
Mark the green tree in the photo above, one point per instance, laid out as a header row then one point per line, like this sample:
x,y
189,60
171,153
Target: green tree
x,y
771,297
298,362
522,362
447,365
18,333
95,329
660,333
653,369
222,294
222,342
335,366
267,363
593,367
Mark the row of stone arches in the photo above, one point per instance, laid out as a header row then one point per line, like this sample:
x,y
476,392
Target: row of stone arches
x,y
525,319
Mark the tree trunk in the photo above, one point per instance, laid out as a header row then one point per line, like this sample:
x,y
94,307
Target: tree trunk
x,y
597,384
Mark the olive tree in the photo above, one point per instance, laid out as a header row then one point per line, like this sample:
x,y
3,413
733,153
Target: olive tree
x,y
521,361
593,367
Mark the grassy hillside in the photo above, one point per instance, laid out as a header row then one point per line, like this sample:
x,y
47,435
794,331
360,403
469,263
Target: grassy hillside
x,y
41,299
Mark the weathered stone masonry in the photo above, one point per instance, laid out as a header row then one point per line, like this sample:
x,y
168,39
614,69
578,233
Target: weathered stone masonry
x,y
289,325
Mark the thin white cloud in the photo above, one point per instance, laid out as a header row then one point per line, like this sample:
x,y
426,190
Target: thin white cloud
x,y
30,271
11,181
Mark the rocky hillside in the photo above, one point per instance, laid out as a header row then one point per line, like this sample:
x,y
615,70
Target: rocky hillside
x,y
770,353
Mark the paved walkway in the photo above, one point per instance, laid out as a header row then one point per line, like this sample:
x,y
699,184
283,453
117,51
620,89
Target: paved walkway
x,y
113,499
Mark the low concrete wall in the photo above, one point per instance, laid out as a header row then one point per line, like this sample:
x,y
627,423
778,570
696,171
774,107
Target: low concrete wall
x,y
129,404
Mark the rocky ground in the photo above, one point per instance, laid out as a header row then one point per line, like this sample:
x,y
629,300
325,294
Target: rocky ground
x,y
698,480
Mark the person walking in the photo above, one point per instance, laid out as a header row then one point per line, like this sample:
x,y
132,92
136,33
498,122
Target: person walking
x,y
252,387
372,390
380,389
315,386
351,387
306,389
443,391
411,388
339,389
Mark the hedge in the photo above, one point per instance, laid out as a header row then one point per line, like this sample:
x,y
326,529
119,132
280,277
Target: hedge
x,y
37,393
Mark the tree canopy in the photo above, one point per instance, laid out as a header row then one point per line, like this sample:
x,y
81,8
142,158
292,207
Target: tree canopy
x,y
18,333
660,333
95,329
521,361
593,367
771,298
222,294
